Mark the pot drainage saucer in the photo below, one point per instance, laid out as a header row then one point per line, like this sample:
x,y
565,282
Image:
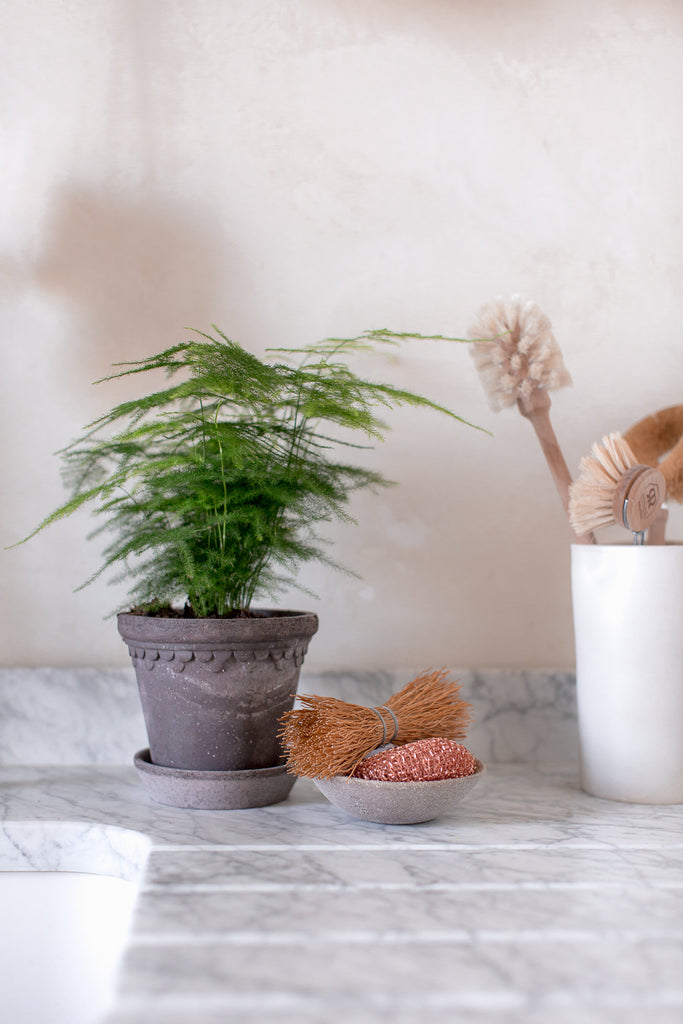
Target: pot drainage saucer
x,y
213,791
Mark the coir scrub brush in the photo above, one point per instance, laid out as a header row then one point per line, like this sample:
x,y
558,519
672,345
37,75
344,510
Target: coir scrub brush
x,y
657,440
519,362
613,488
327,736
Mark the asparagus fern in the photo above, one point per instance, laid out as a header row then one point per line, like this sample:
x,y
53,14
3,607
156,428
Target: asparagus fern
x,y
212,489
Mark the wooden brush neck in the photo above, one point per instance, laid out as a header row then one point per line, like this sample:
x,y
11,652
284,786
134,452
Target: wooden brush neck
x,y
538,401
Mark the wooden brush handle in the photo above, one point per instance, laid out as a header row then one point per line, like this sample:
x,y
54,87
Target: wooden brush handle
x,y
656,534
537,410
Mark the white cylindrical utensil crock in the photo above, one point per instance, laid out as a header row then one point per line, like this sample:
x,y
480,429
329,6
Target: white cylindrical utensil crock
x,y
628,629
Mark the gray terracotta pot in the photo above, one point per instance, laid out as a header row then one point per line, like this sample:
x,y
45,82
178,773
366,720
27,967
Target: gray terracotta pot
x,y
213,690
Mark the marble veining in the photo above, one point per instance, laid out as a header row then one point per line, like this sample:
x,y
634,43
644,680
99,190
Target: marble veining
x,y
531,901
64,716
87,846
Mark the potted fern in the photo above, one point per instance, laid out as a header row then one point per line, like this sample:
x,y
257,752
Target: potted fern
x,y
211,490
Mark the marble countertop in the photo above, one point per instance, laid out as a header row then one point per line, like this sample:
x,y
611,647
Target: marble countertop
x,y
530,902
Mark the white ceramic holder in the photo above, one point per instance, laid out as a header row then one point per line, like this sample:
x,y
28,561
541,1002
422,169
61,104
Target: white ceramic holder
x,y
628,628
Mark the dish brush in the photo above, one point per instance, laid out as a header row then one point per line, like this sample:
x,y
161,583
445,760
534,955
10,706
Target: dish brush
x,y
657,440
614,488
519,362
328,736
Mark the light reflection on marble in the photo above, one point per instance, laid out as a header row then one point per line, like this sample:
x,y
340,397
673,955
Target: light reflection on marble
x,y
530,902
64,716
88,847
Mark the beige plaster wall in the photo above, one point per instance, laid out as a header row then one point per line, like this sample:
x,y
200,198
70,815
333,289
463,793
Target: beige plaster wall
x,y
291,169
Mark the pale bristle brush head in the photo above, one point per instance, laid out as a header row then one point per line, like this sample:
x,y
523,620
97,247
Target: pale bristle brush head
x,y
515,352
519,362
614,488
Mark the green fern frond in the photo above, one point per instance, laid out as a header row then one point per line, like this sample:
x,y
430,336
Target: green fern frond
x,y
212,491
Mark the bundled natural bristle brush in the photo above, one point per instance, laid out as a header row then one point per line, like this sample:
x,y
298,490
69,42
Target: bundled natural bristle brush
x,y
519,362
614,488
328,736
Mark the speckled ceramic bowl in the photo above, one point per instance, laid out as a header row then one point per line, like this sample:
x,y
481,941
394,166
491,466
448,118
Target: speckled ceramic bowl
x,y
397,803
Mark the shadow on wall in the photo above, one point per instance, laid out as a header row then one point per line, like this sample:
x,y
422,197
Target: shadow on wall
x,y
137,274
445,19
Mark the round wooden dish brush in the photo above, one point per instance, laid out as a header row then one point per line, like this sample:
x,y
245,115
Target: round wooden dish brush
x,y
614,488
328,736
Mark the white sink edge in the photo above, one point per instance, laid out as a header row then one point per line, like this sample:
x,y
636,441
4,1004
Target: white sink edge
x,y
75,847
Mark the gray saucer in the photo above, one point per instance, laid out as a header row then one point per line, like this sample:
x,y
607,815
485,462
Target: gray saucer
x,y
213,791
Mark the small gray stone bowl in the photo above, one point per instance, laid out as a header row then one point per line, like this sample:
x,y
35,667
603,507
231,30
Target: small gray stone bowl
x,y
397,803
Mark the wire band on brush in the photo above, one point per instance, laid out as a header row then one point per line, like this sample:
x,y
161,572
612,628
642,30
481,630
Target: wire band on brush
x,y
384,739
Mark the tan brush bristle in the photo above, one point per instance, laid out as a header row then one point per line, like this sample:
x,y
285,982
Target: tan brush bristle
x,y
519,361
613,487
657,441
516,352
328,736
